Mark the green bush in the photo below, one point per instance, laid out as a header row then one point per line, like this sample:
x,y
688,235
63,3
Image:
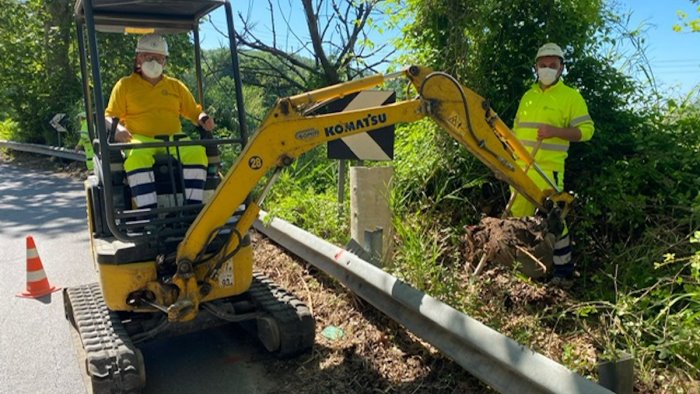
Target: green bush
x,y
8,130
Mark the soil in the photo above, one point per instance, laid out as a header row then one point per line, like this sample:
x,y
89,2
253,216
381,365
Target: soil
x,y
503,242
373,353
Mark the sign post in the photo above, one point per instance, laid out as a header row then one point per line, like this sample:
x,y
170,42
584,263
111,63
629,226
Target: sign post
x,y
55,122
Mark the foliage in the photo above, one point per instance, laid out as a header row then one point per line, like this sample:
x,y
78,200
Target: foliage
x,y
489,46
656,318
8,130
434,174
37,72
637,178
304,195
260,90
645,178
692,24
336,40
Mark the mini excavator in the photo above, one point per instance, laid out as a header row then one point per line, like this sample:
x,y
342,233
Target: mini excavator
x,y
181,268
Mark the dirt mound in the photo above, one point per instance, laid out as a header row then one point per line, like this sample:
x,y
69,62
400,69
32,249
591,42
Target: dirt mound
x,y
524,241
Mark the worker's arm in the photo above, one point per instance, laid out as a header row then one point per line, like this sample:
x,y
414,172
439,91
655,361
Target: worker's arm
x,y
572,134
580,127
121,134
190,109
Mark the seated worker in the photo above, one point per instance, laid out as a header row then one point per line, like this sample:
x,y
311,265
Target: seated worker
x,y
149,103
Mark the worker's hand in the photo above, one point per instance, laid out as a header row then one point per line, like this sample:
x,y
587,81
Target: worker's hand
x,y
122,135
206,122
547,131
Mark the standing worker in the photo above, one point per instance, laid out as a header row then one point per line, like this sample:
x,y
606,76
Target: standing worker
x,y
551,115
148,104
84,142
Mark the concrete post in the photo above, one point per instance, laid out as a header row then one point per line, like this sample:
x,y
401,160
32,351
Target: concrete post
x,y
369,207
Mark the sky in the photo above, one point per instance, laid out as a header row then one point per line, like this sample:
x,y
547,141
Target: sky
x,y
674,57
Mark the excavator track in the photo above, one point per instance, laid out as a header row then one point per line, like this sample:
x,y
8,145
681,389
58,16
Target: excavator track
x,y
112,363
290,328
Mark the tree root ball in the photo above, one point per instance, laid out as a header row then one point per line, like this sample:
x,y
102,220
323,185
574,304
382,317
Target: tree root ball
x,y
525,243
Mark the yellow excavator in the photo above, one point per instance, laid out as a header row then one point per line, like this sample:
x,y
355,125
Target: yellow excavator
x,y
180,268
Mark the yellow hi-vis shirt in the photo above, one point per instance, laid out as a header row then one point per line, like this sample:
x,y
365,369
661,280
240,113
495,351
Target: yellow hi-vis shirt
x,y
560,106
152,110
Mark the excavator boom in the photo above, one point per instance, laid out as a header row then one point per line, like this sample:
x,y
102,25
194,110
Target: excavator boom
x,y
289,131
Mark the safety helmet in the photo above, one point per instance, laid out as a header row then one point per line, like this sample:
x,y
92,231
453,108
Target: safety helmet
x,y
152,43
550,49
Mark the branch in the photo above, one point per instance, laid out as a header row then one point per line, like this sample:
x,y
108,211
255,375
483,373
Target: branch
x,y
259,45
362,14
329,70
280,73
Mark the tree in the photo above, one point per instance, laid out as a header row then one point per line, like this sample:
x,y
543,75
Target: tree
x,y
336,47
38,72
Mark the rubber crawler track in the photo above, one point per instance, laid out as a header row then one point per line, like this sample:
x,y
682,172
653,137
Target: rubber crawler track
x,y
297,327
113,364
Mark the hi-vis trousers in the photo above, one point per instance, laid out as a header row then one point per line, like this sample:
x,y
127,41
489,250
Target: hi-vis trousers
x,y
141,179
563,266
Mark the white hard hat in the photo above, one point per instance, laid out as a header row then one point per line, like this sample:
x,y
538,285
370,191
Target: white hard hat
x,y
550,49
152,43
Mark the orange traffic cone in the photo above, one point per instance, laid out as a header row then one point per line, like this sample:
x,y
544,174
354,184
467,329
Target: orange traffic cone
x,y
37,283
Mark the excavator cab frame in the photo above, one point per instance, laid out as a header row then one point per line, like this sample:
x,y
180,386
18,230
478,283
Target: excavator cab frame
x,y
136,299
117,219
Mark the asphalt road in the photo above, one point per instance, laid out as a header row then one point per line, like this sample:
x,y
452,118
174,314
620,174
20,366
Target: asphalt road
x,y
36,350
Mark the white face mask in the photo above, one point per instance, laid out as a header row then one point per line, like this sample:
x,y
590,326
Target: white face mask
x,y
547,75
152,69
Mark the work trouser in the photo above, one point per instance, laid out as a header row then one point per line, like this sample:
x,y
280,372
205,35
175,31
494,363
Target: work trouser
x,y
139,173
563,266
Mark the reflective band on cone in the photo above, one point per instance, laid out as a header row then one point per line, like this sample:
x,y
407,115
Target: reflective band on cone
x,y
37,282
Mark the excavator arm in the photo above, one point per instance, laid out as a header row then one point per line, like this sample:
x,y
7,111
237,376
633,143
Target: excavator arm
x,y
289,131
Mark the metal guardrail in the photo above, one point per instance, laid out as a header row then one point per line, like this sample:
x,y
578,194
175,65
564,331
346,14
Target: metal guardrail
x,y
495,359
44,150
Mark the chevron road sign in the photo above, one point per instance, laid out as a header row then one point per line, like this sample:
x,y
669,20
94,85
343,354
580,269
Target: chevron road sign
x,y
373,145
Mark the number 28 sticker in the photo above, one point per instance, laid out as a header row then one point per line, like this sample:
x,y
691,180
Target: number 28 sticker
x,y
255,162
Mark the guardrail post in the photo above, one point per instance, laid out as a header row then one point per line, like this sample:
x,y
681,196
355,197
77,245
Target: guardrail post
x,y
617,375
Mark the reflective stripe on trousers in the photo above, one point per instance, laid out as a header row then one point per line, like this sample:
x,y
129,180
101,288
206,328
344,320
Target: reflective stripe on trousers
x,y
141,179
143,186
